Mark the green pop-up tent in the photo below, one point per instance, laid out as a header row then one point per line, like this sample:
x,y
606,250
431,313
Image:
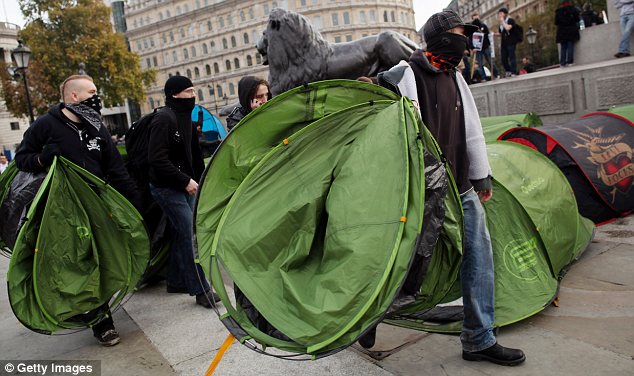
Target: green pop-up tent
x,y
313,209
494,126
536,232
82,245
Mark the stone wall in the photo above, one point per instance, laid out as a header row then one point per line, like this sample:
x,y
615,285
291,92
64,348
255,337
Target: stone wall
x,y
562,94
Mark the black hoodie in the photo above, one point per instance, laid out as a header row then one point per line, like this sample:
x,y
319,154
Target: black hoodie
x,y
247,87
82,144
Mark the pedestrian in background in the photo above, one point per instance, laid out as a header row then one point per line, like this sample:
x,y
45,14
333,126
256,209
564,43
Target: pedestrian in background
x,y
567,21
626,11
510,40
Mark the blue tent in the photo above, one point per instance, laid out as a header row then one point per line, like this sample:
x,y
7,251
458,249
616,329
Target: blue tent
x,y
211,126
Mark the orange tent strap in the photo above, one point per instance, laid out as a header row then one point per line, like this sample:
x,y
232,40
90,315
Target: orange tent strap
x,y
225,346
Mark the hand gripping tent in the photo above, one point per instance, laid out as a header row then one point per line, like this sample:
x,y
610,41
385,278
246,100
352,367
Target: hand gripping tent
x,y
82,244
536,233
596,155
312,211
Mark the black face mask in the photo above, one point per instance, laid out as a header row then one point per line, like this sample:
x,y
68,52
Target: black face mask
x,y
448,44
181,104
93,102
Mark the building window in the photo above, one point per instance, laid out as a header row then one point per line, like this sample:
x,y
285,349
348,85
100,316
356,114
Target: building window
x,y
189,73
236,63
151,100
242,16
155,61
392,16
15,126
164,37
185,54
266,9
186,8
372,15
209,26
182,31
385,16
362,18
337,39
196,72
251,14
169,75
168,14
224,43
171,36
161,16
174,56
218,91
228,65
178,10
205,49
178,73
212,44
221,21
197,4
138,45
207,69
346,18
233,41
232,89
200,95
245,37
303,3
348,38
249,60
216,68
317,22
229,20
335,19
193,50
258,58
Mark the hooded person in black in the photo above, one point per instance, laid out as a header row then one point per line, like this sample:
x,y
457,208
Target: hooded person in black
x,y
252,92
176,165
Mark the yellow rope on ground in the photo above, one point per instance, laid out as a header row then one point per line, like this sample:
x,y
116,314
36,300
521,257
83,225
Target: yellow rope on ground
x,y
225,346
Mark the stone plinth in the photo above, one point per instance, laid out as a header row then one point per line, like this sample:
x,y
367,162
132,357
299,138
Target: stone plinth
x,y
562,94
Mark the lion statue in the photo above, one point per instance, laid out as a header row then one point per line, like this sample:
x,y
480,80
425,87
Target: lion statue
x,y
298,54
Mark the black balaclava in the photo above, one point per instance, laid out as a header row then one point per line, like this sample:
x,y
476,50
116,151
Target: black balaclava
x,y
449,46
175,85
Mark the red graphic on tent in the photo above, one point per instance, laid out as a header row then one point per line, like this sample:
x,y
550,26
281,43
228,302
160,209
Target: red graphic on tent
x,y
613,158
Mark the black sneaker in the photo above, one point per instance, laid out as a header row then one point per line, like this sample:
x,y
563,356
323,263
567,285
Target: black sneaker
x,y
497,354
206,298
108,338
621,54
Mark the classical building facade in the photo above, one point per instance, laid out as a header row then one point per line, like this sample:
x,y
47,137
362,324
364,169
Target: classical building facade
x,y
213,42
488,9
11,128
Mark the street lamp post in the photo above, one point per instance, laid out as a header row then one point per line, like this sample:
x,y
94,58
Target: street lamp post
x,y
21,55
212,92
531,37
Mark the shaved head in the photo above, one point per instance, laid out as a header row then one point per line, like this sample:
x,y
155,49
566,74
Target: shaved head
x,y
74,85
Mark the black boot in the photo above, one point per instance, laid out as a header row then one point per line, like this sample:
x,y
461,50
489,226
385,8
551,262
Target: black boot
x,y
367,340
496,354
206,298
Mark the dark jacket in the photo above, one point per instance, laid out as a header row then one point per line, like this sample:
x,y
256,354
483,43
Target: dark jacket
x,y
484,29
235,116
590,18
567,21
509,37
173,151
82,144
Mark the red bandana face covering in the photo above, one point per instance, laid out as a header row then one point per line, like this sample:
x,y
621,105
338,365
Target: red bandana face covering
x,y
442,62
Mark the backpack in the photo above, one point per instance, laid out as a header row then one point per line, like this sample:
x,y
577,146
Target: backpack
x,y
137,140
518,31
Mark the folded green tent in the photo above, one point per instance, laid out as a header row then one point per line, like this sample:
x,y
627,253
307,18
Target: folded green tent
x,y
536,232
313,208
82,245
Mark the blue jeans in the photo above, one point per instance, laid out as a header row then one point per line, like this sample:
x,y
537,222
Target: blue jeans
x,y
508,58
183,272
476,278
566,53
627,26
